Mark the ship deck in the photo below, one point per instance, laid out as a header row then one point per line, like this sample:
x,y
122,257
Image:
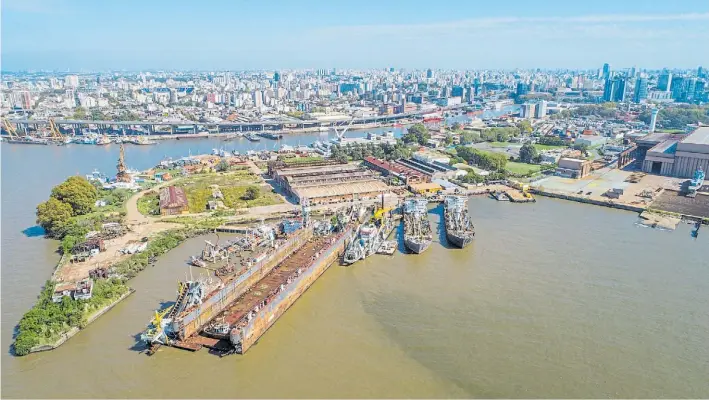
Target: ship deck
x,y
279,275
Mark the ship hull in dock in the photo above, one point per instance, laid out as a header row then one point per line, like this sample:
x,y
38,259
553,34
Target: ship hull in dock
x,y
459,240
243,338
416,246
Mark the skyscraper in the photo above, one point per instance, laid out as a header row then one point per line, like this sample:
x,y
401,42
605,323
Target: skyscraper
x,y
276,77
541,111
429,73
522,88
678,88
664,81
606,71
258,98
608,89
632,71
614,89
640,90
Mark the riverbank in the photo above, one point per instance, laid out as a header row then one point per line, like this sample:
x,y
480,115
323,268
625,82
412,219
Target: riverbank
x,y
73,331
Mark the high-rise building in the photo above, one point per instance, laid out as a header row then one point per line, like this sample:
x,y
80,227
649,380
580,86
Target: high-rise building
x,y
640,90
653,119
276,77
527,110
700,72
71,81
522,88
477,85
23,100
606,71
457,91
541,111
614,89
429,73
700,91
679,89
257,98
632,71
664,81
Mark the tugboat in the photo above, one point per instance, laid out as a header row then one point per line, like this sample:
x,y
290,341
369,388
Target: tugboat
x,y
367,242
417,228
459,229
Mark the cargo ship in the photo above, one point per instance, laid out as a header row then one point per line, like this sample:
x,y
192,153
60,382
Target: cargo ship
x,y
417,228
26,140
459,229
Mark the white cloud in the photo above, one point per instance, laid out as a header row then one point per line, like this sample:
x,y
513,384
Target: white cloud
x,y
506,23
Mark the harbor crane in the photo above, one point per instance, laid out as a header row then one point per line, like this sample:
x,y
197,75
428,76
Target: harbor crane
x,y
54,131
11,131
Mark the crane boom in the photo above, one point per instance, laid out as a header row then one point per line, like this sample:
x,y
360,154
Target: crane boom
x,y
11,131
54,129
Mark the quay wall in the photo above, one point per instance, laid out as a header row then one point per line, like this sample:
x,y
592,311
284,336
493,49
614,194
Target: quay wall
x,y
586,200
192,323
269,314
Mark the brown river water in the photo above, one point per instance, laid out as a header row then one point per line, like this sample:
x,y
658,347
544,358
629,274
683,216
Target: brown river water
x,y
553,299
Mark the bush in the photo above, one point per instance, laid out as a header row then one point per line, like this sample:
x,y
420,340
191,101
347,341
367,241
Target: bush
x,y
252,193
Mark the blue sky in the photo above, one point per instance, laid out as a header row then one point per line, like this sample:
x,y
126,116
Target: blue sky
x,y
273,34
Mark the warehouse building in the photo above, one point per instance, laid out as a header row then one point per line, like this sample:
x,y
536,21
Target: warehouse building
x,y
331,183
679,157
401,172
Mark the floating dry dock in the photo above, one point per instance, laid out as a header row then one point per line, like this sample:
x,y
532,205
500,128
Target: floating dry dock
x,y
237,313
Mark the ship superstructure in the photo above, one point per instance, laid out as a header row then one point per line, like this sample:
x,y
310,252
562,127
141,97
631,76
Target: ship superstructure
x,y
459,229
417,228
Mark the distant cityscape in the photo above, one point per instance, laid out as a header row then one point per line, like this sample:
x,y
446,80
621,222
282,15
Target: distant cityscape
x,y
329,94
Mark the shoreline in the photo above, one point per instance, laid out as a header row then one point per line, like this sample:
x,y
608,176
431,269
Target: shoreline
x,y
73,331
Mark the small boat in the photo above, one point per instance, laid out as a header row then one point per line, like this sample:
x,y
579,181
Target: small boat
x,y
252,137
103,140
197,262
499,196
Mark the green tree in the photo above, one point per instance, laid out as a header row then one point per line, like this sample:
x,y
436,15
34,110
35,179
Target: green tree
x,y
252,193
527,153
79,113
469,137
525,126
78,193
54,216
457,126
417,133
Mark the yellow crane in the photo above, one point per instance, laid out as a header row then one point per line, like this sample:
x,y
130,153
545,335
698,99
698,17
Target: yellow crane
x,y
11,131
54,130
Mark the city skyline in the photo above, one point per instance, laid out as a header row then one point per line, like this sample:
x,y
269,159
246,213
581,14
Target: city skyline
x,y
78,35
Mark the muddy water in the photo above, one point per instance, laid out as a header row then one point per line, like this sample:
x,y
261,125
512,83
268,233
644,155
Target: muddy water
x,y
553,299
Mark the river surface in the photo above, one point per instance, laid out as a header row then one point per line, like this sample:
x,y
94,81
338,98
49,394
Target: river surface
x,y
553,299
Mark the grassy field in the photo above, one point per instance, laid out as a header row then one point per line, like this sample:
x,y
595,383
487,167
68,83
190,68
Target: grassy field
x,y
149,204
233,186
541,147
521,168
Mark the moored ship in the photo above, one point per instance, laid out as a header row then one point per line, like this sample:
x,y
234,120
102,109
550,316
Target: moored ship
x,y
460,231
417,228
252,137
